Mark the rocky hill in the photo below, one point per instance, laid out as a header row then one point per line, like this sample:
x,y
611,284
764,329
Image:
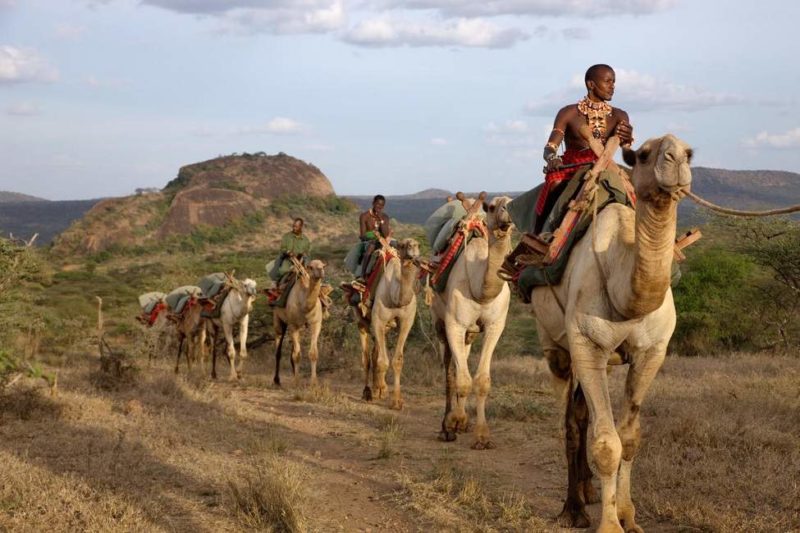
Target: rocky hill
x,y
211,198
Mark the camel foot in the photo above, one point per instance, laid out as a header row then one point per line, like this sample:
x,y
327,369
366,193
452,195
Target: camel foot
x,y
632,529
367,394
573,515
590,494
380,392
276,381
610,527
447,436
481,444
397,404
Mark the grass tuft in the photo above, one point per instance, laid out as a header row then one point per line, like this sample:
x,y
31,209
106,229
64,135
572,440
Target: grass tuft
x,y
270,497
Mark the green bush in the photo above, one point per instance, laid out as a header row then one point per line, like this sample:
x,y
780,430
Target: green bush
x,y
716,303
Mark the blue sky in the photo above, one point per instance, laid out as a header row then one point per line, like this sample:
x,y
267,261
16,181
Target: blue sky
x,y
98,97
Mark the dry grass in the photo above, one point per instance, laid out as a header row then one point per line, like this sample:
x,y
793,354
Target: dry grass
x,y
270,497
390,433
721,444
450,500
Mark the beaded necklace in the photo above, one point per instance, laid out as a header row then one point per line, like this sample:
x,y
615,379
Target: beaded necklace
x,y
596,114
376,219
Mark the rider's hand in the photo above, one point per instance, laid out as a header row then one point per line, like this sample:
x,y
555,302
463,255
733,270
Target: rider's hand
x,y
624,131
553,164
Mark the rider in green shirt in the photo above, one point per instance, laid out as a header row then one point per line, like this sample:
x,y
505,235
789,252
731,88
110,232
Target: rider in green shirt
x,y
293,244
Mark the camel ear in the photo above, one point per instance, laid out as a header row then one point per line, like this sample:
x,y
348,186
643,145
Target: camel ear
x,y
629,156
488,208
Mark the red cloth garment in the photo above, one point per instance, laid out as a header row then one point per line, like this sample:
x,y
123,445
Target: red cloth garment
x,y
553,178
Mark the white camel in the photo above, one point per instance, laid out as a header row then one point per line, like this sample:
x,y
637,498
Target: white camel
x,y
475,299
394,305
235,309
303,309
614,304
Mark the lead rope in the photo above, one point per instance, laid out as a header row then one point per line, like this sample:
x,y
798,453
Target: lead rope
x,y
739,212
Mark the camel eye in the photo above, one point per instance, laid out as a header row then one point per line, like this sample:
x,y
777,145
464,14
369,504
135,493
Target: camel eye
x,y
643,155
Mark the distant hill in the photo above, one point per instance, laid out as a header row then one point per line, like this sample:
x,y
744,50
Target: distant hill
x,y
46,218
203,199
216,192
8,197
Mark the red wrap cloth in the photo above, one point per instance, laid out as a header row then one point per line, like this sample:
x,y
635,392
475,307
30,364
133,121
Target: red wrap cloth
x,y
553,178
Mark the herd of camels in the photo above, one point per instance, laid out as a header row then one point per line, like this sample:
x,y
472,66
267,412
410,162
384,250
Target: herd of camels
x,y
613,305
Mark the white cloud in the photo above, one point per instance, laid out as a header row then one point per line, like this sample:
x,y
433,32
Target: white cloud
x,y
538,8
20,65
636,91
67,31
277,126
386,32
576,33
439,141
264,16
23,109
786,140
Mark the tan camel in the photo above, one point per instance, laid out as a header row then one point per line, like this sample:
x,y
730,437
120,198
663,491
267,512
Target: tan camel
x,y
474,300
394,304
190,326
303,309
614,304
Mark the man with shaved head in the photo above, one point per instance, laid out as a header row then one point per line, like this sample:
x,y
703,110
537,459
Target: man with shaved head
x,y
603,121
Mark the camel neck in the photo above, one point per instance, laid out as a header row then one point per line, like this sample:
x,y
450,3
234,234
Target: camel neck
x,y
312,288
408,277
499,247
648,275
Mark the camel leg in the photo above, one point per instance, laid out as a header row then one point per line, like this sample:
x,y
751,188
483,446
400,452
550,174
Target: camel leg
x,y
243,326
201,348
280,334
590,365
381,365
450,381
483,383
313,350
178,359
363,334
456,419
295,335
580,490
640,377
397,360
230,350
214,336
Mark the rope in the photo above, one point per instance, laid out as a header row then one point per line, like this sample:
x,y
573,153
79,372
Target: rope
x,y
740,213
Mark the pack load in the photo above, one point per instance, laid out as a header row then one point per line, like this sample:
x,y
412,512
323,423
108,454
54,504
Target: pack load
x,y
215,288
152,304
178,298
451,228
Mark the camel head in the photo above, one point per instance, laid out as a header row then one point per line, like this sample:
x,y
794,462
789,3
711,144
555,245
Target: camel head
x,y
248,287
497,215
661,168
408,248
316,269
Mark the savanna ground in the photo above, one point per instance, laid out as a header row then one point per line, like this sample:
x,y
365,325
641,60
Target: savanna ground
x,y
155,451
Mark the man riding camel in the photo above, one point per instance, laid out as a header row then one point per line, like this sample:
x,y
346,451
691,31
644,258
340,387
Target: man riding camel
x,y
373,223
603,121
294,244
